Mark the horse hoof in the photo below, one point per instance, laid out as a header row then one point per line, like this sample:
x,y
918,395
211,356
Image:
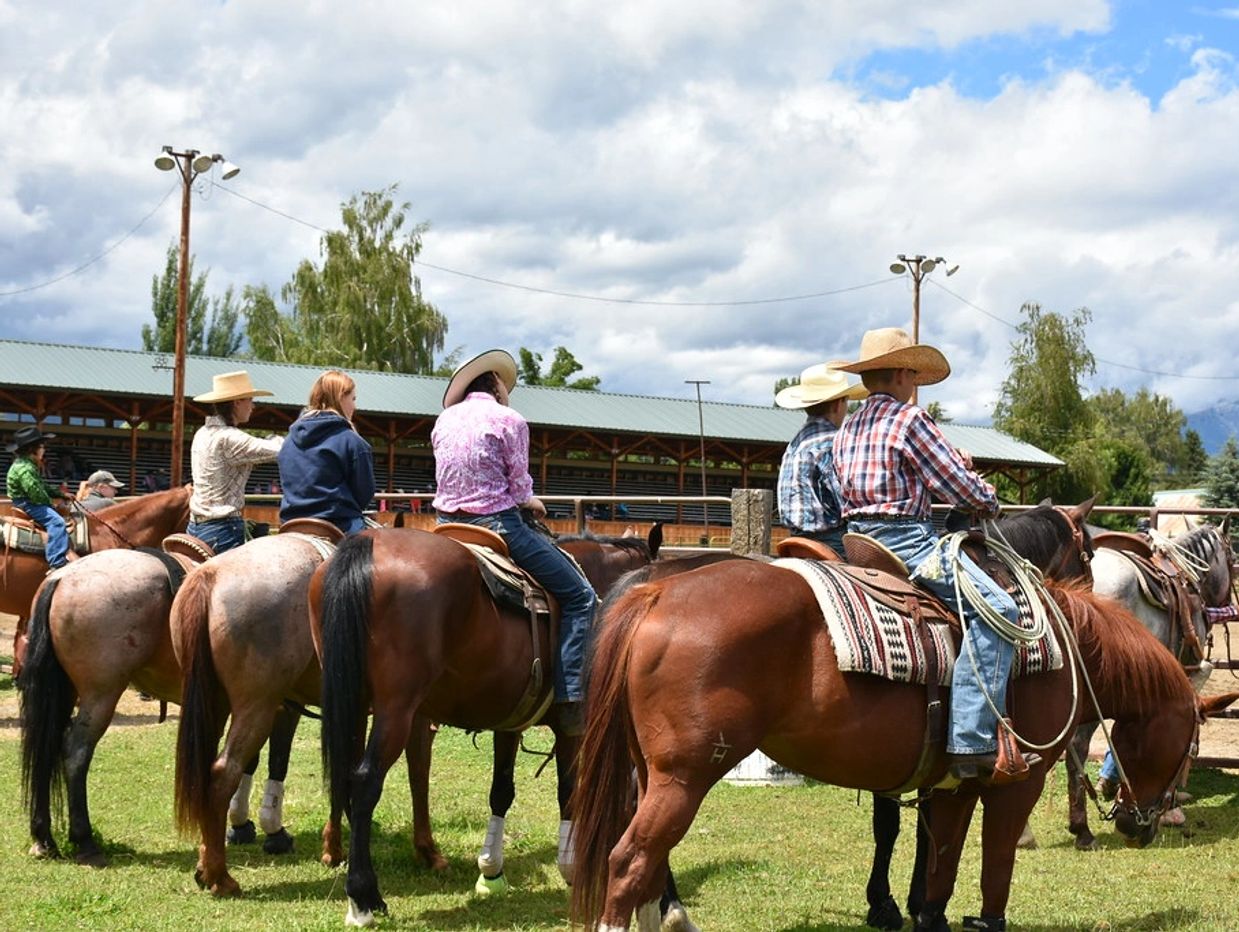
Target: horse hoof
x,y
242,834
331,859
491,886
885,915
432,857
45,851
92,859
1086,843
200,878
1027,840
676,920
226,888
279,843
357,917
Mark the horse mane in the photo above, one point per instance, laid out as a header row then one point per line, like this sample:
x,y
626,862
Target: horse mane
x,y
636,544
1026,533
1139,669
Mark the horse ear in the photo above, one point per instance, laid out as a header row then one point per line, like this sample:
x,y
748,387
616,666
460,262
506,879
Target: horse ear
x,y
656,539
1080,511
1045,501
1225,528
1215,704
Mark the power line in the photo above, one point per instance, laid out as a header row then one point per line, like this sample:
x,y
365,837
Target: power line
x,y
89,262
1107,362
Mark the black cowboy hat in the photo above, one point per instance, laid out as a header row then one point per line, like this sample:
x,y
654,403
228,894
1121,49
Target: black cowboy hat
x,y
27,436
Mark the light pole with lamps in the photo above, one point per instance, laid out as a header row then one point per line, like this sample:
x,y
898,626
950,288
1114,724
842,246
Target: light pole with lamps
x,y
701,433
918,267
191,163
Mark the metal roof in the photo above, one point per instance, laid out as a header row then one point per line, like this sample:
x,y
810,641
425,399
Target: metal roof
x,y
57,367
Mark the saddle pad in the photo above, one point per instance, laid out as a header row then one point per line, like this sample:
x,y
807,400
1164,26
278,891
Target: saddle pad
x,y
26,539
871,637
324,547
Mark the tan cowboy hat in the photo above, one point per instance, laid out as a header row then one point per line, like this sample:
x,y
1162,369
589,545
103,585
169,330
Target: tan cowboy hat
x,y
497,361
892,348
823,382
231,386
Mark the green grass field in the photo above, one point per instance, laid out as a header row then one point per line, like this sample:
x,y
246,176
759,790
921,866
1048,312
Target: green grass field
x,y
755,859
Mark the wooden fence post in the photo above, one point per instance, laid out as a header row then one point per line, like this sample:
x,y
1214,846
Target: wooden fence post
x,y
752,512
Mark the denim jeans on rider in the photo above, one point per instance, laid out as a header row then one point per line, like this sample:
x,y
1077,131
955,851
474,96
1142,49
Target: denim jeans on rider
x,y
57,535
538,556
1109,769
974,728
222,534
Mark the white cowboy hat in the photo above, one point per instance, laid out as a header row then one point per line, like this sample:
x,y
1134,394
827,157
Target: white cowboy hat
x,y
231,386
497,361
823,382
892,348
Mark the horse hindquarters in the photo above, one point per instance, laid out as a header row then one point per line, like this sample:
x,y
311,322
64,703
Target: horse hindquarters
x,y
46,698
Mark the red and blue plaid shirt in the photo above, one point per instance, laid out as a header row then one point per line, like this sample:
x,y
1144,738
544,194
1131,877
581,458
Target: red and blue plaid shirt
x,y
891,458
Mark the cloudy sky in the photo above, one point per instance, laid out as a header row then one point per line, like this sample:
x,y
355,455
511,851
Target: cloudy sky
x,y
701,166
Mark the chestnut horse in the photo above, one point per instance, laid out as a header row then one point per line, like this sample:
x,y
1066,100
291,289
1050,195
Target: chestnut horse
x,y
136,522
691,674
404,623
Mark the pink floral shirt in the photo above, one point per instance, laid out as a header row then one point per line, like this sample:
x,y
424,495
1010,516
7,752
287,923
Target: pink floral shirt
x,y
481,457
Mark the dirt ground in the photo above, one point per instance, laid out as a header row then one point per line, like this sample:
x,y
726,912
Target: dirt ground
x,y
1218,738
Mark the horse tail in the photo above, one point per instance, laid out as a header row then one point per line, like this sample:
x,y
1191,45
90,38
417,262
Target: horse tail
x,y
204,706
601,813
345,625
47,698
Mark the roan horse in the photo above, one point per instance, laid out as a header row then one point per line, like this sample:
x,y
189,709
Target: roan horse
x,y
692,674
98,626
137,522
404,624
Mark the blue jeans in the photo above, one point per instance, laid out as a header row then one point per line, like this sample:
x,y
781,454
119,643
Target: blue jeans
x,y
539,557
974,728
832,538
222,533
57,535
1109,769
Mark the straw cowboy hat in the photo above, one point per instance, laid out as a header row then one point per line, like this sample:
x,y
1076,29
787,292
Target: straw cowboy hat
x,y
231,386
823,382
497,361
892,348
27,436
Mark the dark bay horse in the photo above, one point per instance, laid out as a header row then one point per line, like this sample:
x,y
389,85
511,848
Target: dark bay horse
x,y
404,624
693,673
604,561
137,522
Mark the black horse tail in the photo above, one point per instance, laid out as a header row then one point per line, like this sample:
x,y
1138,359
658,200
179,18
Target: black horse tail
x,y
204,705
47,698
602,801
344,620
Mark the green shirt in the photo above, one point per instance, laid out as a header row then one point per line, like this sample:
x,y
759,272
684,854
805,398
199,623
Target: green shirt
x,y
24,481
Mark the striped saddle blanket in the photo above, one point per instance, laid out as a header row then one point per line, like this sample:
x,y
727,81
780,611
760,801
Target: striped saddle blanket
x,y
24,535
870,635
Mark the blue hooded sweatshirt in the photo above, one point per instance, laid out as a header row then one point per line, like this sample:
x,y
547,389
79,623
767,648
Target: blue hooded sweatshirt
x,y
326,471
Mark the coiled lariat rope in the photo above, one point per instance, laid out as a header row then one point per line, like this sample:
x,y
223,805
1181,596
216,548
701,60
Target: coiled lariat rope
x,y
1030,582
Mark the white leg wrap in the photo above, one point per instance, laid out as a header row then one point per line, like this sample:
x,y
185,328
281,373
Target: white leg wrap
x,y
271,812
677,920
567,852
490,858
239,806
355,917
610,928
648,917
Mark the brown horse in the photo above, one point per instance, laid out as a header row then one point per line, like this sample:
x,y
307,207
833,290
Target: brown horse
x,y
404,623
137,522
692,674
240,628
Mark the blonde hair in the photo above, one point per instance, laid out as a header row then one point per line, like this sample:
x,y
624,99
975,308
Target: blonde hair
x,y
329,391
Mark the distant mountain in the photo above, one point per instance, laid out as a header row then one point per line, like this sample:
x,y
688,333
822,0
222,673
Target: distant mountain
x,y
1216,424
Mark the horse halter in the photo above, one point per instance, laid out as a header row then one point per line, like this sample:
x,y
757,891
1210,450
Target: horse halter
x,y
1080,544
1144,816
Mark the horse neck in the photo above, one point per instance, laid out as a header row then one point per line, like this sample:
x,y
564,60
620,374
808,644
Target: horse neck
x,y
141,522
1208,546
1035,535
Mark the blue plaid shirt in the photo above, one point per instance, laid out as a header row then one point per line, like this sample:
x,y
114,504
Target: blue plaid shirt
x,y
808,486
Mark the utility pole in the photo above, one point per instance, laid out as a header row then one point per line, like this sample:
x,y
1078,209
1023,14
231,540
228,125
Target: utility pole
x,y
918,267
701,433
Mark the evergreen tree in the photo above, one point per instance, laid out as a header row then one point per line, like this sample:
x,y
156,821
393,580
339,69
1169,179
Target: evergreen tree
x,y
1221,477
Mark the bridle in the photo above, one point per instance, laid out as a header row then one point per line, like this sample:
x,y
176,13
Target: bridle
x,y
1144,816
1080,544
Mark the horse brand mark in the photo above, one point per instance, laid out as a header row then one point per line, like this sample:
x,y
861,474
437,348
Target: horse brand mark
x,y
721,747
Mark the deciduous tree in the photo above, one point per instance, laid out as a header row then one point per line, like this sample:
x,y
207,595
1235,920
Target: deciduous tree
x,y
558,374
